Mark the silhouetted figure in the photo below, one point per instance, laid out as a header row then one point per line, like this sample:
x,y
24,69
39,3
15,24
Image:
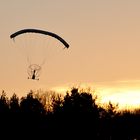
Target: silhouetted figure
x,y
34,75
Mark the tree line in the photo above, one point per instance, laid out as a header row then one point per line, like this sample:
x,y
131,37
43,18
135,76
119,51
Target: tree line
x,y
72,116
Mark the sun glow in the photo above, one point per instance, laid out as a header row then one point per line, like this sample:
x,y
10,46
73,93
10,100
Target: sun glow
x,y
124,93
126,99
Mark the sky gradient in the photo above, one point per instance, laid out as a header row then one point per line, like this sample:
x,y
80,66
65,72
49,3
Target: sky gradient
x,y
104,46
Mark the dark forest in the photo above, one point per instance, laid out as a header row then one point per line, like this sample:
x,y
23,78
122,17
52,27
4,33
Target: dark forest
x,y
73,116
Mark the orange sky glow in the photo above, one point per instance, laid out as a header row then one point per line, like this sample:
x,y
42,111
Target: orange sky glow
x,y
124,93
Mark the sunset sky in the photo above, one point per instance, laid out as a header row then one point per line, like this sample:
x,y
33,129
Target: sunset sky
x,y
104,53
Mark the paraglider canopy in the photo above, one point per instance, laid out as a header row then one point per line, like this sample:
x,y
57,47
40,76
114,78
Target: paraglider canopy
x,y
40,32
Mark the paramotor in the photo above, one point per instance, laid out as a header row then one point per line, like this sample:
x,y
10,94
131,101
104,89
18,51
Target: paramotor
x,y
35,68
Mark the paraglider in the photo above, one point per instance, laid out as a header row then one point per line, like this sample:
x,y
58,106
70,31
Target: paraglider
x,y
33,68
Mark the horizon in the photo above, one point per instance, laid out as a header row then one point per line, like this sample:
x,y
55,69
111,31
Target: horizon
x,y
121,94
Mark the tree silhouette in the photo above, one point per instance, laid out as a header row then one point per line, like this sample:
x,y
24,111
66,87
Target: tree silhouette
x,y
73,116
77,115
14,104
